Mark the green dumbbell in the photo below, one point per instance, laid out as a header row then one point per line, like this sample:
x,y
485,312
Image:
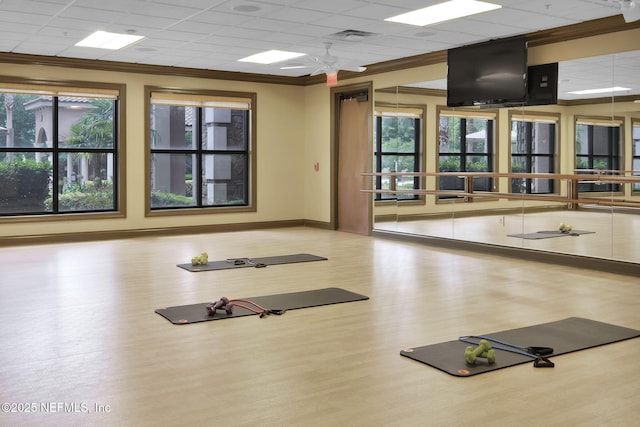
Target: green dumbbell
x,y
483,351
201,259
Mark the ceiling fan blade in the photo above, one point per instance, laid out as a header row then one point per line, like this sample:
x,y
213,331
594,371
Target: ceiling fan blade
x,y
355,69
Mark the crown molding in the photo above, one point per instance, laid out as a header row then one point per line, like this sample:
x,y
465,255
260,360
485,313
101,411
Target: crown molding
x,y
125,67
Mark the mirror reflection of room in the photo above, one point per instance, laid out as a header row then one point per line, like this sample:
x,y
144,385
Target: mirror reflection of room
x,y
558,175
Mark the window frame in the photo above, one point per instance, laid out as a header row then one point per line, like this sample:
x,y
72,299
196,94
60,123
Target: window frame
x,y
492,148
536,117
635,155
418,114
611,156
251,176
86,89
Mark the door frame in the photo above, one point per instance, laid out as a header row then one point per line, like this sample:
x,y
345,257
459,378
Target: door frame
x,y
337,93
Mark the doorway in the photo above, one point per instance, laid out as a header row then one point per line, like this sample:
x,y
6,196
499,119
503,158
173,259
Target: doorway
x,y
352,119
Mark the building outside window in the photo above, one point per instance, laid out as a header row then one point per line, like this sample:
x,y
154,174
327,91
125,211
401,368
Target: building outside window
x,y
533,150
466,143
200,153
58,150
398,140
598,148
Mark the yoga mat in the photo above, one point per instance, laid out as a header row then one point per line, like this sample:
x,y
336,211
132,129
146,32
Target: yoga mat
x,y
272,260
549,234
564,336
193,313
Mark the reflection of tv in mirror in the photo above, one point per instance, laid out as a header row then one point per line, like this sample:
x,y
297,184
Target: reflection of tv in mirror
x,y
489,73
542,86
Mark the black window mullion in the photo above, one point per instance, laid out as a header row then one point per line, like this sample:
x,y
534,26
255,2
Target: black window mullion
x,y
247,160
199,158
55,157
490,144
416,153
591,148
529,157
463,145
378,155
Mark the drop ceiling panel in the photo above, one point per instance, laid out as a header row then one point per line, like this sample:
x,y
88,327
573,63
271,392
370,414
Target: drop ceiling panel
x,y
521,21
30,7
296,15
329,6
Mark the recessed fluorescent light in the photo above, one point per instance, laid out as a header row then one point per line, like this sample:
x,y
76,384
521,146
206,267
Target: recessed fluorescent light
x,y
105,40
271,56
602,90
444,12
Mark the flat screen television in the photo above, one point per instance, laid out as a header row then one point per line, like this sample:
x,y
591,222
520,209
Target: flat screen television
x,y
489,73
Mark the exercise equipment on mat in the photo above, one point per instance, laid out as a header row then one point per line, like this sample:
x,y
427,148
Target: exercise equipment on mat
x,y
202,259
274,304
559,337
227,305
548,234
241,262
565,228
246,261
485,347
483,351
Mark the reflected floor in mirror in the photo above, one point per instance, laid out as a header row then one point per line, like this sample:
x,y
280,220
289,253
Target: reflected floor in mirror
x,y
82,345
611,232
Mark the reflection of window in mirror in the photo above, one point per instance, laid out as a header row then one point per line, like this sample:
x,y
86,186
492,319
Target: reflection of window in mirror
x,y
466,143
533,150
398,148
598,149
635,129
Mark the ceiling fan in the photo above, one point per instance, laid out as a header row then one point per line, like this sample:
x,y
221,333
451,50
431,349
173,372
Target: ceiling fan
x,y
630,8
330,65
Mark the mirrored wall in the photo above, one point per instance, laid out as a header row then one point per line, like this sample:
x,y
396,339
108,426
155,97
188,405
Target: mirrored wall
x,y
562,178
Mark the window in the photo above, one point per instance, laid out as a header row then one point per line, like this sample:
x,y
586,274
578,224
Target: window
x,y
398,139
58,149
465,144
636,151
598,148
201,150
533,148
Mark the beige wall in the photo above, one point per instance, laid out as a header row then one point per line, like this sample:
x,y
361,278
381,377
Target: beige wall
x,y
317,137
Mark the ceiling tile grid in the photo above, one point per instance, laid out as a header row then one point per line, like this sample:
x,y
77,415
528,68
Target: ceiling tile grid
x,y
215,34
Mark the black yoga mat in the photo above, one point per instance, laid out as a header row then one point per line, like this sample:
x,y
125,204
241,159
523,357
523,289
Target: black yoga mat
x,y
550,234
193,313
564,336
252,262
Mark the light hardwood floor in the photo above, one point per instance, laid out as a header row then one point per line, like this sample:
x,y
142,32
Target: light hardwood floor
x,y
77,326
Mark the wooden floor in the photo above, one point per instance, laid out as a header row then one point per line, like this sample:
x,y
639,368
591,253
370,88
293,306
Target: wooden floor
x,y
79,335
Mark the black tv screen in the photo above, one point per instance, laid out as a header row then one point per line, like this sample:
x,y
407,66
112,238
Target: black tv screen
x,y
489,73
